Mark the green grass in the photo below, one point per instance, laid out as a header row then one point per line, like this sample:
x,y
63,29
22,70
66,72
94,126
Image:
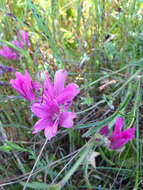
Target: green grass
x,y
100,44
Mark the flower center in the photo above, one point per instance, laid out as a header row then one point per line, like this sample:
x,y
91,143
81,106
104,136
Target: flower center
x,y
54,116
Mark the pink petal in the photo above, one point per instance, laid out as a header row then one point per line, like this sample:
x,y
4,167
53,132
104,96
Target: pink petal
x,y
27,76
45,110
24,37
40,125
18,86
36,86
66,119
68,93
118,126
23,84
128,134
7,53
20,45
51,130
49,87
117,141
59,81
104,131
28,93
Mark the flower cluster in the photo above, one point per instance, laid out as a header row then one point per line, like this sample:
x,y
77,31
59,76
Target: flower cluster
x,y
4,69
52,105
118,138
10,53
50,102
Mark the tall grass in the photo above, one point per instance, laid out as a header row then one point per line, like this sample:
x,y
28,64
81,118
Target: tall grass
x,y
100,44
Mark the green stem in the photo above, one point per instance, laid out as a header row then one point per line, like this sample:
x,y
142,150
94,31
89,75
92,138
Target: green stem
x,y
24,188
106,76
77,164
137,150
90,108
130,79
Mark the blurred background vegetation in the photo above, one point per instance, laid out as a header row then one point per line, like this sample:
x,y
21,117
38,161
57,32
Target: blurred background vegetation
x,y
100,44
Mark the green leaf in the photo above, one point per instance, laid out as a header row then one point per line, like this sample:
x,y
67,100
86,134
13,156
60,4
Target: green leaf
x,y
92,130
42,186
12,147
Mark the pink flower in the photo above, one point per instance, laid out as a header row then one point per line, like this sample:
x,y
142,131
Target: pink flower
x,y
8,53
51,115
24,85
104,131
57,91
118,138
53,110
51,106
12,54
24,37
